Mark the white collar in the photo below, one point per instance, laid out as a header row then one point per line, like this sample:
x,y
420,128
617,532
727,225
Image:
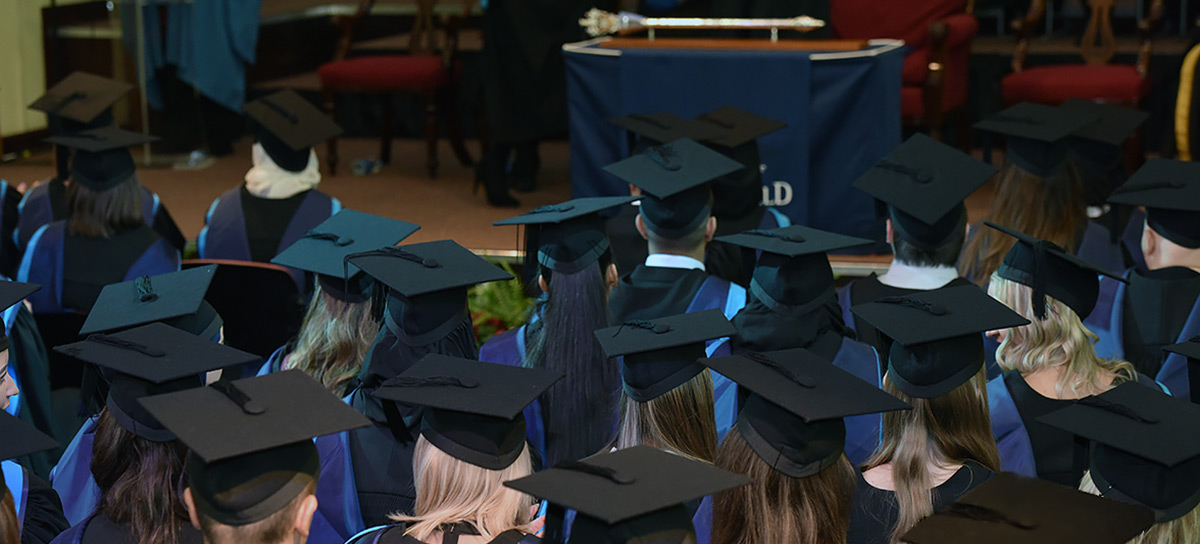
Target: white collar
x,y
906,276
268,180
663,260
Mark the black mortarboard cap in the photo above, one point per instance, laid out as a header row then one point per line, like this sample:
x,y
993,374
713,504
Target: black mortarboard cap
x,y
102,160
1037,135
251,440
149,360
793,417
793,270
474,409
1145,446
629,493
1170,191
13,292
289,127
938,335
660,355
660,128
81,98
1114,124
674,177
1051,270
21,438
323,249
171,298
741,126
924,182
1008,508
568,237
1190,350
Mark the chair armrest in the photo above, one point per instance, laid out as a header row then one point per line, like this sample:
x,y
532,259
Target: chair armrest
x,y
1147,29
1023,28
961,27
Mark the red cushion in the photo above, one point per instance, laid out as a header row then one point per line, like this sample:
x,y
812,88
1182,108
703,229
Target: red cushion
x,y
907,20
385,72
1055,84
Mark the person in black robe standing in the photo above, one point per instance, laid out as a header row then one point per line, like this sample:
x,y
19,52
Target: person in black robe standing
x,y
525,86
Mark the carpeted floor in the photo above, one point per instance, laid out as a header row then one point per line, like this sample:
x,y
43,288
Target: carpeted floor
x,y
444,207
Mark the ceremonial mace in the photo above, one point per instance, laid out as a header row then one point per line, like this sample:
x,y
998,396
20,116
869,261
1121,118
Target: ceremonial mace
x,y
598,22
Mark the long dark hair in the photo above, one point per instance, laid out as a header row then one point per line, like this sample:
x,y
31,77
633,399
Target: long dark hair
x,y
141,482
580,410
9,526
100,214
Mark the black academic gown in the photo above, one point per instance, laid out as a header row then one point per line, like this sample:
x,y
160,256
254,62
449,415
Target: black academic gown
x,y
876,511
43,515
652,292
524,74
1157,305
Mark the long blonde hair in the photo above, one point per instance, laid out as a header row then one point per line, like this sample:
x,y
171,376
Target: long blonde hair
x,y
1182,529
948,429
681,421
1058,340
777,507
333,340
451,491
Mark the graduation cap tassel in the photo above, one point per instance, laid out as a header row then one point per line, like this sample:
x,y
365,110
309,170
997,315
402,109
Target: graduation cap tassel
x,y
983,513
1039,279
763,359
608,473
1119,409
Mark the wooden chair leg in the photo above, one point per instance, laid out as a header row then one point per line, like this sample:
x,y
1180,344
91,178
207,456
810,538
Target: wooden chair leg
x,y
449,107
331,147
431,131
385,129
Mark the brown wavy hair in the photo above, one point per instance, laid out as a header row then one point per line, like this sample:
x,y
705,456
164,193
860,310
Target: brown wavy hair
x,y
681,421
1051,208
10,532
949,429
333,340
777,507
141,482
100,214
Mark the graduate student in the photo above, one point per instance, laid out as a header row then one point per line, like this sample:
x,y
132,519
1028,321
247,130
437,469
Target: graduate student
x,y
279,201
1160,305
667,396
790,439
572,262
1040,190
942,448
472,440
923,184
25,369
252,465
80,102
1050,363
737,196
175,299
635,495
37,515
136,465
343,316
675,217
1009,508
426,313
792,304
1141,453
104,238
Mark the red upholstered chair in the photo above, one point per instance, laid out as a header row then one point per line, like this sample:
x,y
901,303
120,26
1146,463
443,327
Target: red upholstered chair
x,y
426,70
1095,79
938,34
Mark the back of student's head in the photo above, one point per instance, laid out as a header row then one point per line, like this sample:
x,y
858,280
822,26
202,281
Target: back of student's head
x,y
1058,340
100,214
140,481
778,507
946,254
333,340
1049,208
689,242
451,491
681,420
583,404
951,428
279,527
